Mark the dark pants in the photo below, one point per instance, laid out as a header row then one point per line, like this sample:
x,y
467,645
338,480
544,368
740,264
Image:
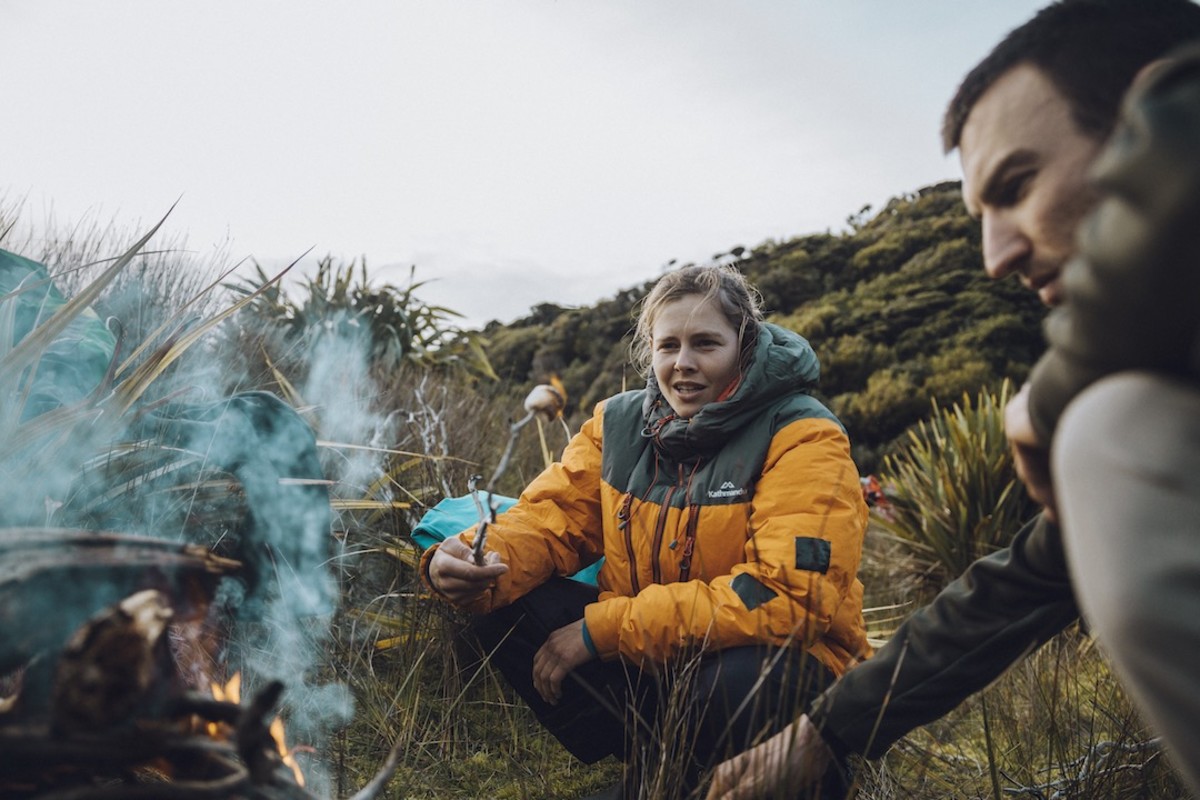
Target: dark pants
x,y
705,709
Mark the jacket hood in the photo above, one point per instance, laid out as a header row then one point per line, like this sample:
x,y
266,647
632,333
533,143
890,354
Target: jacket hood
x,y
783,363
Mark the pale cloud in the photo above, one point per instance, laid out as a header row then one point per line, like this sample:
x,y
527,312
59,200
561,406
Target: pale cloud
x,y
519,152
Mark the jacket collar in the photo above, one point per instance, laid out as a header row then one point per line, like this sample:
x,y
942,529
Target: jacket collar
x,y
783,363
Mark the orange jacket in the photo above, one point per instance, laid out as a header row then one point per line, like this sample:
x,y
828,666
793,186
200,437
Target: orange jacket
x,y
740,527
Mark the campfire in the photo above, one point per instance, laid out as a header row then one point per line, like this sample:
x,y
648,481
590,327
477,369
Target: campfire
x,y
101,643
231,692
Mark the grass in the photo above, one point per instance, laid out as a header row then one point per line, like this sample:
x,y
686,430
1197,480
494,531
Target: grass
x,y
465,734
468,737
1056,725
954,493
1060,727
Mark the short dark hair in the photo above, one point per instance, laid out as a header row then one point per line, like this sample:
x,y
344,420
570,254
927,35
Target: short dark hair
x,y
1091,50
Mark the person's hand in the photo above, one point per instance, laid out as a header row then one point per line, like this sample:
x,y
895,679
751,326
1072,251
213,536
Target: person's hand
x,y
1031,457
563,651
454,573
788,764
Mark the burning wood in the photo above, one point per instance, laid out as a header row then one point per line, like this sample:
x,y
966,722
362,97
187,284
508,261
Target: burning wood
x,y
52,581
100,709
231,692
113,666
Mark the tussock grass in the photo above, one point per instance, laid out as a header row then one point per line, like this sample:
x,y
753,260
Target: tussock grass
x,y
1055,726
954,493
1060,726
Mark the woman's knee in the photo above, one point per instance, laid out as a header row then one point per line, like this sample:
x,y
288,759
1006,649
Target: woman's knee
x,y
753,688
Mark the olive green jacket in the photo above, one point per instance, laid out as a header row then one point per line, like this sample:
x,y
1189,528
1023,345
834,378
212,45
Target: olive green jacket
x,y
1133,290
1132,299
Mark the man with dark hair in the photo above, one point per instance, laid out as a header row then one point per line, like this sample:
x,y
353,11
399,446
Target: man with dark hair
x,y
1089,51
1029,123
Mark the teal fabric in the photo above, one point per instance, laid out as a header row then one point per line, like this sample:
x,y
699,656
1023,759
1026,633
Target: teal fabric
x,y
74,364
587,641
253,435
454,515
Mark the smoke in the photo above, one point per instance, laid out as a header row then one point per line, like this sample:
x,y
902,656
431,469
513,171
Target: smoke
x,y
239,471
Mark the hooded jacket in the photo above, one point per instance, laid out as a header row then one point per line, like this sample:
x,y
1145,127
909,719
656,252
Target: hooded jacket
x,y
1132,288
1131,304
741,525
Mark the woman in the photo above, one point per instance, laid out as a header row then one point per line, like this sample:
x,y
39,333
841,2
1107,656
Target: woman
x,y
725,501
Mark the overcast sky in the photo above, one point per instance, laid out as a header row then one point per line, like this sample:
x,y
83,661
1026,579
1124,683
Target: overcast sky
x,y
514,151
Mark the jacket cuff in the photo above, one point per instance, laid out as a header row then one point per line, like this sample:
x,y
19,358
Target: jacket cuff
x,y
587,641
597,620
820,720
426,558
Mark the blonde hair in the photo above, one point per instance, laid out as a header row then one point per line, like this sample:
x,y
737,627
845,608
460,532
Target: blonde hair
x,y
735,297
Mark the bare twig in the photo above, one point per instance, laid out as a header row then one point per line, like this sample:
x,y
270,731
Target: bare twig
x,y
488,515
513,431
1094,764
253,736
377,784
223,787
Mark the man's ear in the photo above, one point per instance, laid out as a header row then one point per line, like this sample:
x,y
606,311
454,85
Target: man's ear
x,y
1147,73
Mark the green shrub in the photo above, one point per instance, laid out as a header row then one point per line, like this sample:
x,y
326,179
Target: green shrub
x,y
955,495
339,301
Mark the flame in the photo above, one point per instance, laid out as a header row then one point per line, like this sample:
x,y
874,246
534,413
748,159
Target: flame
x,y
289,756
231,692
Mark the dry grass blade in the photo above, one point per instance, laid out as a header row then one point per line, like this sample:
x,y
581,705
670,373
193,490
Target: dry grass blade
x,y
290,393
161,330
484,364
30,349
364,504
131,389
8,321
48,423
389,451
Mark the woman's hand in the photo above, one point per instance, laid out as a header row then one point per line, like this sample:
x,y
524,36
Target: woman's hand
x,y
454,573
563,651
791,761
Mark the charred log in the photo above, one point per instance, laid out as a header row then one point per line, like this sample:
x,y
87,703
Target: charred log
x,y
89,623
115,666
53,581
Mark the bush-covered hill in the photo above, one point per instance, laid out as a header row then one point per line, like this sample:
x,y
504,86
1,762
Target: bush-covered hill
x,y
897,306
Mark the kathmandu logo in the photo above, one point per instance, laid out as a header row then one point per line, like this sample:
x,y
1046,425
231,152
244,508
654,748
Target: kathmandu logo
x,y
727,490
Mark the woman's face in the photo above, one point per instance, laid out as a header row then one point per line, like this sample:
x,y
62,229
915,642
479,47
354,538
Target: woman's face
x,y
694,353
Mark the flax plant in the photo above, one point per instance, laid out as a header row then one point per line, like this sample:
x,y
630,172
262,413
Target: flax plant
x,y
396,326
90,459
954,493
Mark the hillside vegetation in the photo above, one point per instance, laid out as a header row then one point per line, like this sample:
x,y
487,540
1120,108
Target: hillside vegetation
x,y
406,407
897,306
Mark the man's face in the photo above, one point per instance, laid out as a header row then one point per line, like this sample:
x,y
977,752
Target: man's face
x,y
1025,166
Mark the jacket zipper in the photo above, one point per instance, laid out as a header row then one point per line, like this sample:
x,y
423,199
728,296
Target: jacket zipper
x,y
660,527
623,524
689,542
